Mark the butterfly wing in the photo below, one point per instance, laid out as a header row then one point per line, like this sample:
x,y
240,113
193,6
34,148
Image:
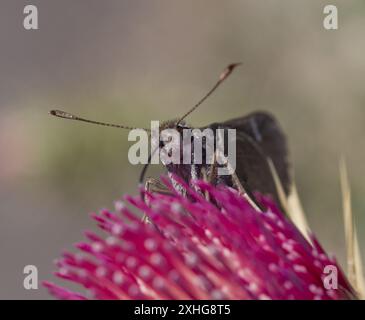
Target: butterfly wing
x,y
259,136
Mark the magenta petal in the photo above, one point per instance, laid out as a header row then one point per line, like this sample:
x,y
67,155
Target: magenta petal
x,y
196,249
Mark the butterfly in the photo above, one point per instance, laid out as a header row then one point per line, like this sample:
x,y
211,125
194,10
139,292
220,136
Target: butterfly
x,y
259,140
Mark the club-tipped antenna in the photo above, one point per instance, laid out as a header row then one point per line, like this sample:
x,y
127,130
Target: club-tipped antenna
x,y
224,75
69,116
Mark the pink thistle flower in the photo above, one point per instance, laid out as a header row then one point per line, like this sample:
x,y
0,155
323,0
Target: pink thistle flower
x,y
194,249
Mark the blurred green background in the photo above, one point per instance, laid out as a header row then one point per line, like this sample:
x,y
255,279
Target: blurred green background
x,y
134,61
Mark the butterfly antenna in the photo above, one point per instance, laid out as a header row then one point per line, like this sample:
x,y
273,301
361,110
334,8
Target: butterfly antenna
x,y
69,116
224,75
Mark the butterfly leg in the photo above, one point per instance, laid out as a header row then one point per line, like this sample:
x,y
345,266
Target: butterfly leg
x,y
241,189
153,185
213,169
206,179
249,197
211,175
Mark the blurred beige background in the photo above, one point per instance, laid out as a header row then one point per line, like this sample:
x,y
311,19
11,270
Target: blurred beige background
x,y
136,61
